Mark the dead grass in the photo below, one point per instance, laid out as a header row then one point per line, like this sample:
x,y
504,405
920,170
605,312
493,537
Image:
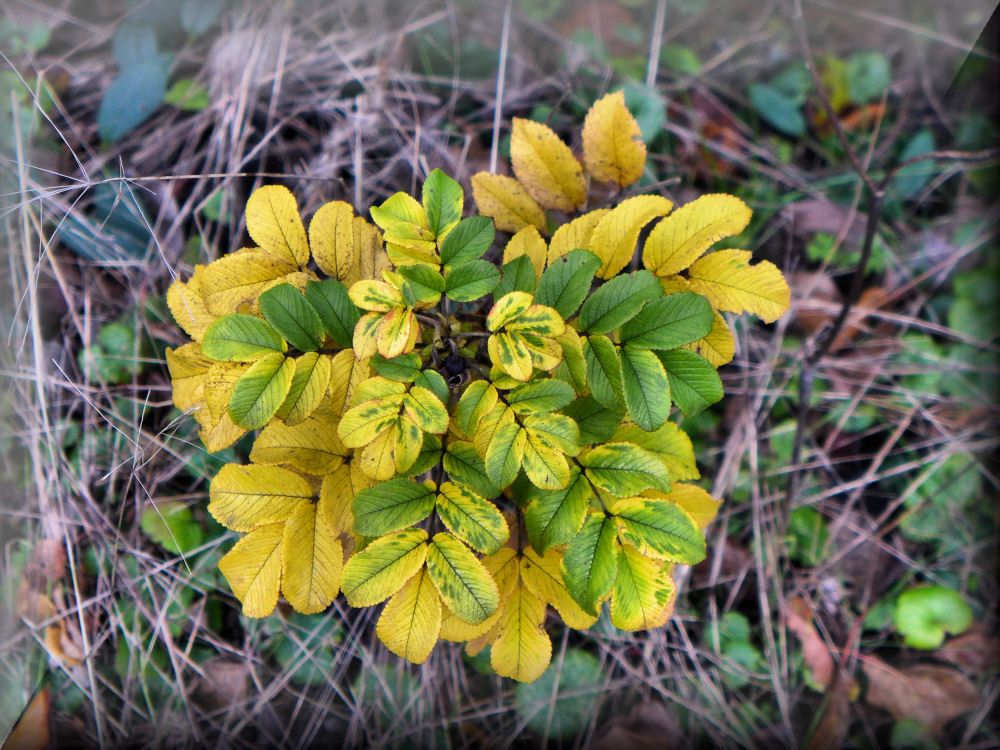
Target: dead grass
x,y
333,100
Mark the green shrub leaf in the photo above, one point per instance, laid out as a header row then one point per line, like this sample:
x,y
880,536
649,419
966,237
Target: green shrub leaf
x,y
261,390
694,383
670,322
293,317
339,314
618,301
241,338
471,280
566,282
391,506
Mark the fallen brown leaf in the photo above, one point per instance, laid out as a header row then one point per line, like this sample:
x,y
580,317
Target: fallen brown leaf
x,y
836,717
929,693
815,654
32,730
973,651
649,726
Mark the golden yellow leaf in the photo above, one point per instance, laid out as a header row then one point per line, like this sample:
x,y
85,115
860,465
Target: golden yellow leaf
x,y
253,569
507,202
273,223
217,434
527,242
503,567
187,305
673,284
397,333
399,208
313,561
681,238
366,331
546,167
311,446
234,282
369,252
575,234
612,147
643,593
718,345
188,369
615,235
219,383
243,498
733,285
335,496
410,623
347,374
383,567
331,238
542,576
378,458
701,506
522,649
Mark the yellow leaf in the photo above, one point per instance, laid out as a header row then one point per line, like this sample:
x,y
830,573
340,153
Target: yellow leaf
x,y
188,369
612,147
522,649
331,237
680,239
643,593
336,494
673,284
507,202
701,506
409,441
491,422
383,567
273,223
253,569
545,466
510,355
217,434
411,620
575,234
187,305
507,308
396,333
503,568
310,446
615,235
219,383
347,374
378,459
546,167
234,282
243,498
366,332
360,425
718,345
542,576
527,242
733,285
313,561
399,208
370,258
309,385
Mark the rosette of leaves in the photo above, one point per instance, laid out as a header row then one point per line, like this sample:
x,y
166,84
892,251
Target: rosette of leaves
x,y
470,434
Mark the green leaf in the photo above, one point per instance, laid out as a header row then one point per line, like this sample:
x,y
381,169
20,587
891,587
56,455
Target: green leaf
x,y
911,179
426,410
604,371
546,395
659,528
426,284
590,563
618,301
188,95
403,369
391,506
558,429
467,241
293,317
443,201
517,275
465,586
240,338
478,398
670,322
543,463
465,467
595,422
566,282
694,382
261,390
669,443
777,109
647,390
624,469
383,567
555,516
472,280
868,76
430,454
504,454
924,614
477,522
434,382
339,314
172,526
132,97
